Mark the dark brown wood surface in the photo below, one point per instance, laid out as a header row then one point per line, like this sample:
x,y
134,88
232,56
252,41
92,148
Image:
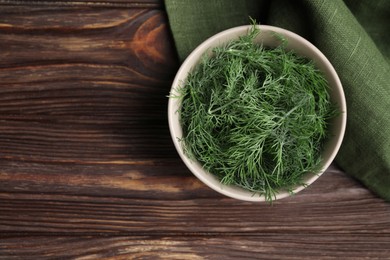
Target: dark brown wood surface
x,y
88,169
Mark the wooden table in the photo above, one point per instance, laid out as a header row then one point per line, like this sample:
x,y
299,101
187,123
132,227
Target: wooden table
x,y
88,169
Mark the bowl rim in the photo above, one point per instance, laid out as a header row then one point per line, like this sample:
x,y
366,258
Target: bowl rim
x,y
173,118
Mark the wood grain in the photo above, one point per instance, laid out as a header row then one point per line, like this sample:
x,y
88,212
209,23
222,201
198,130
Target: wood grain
x,y
166,204
94,3
297,246
88,169
85,91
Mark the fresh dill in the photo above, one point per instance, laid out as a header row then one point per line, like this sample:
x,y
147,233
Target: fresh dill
x,y
255,117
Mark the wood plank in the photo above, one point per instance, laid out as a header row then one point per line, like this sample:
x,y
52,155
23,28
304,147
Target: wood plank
x,y
134,42
90,3
135,203
92,90
88,169
294,246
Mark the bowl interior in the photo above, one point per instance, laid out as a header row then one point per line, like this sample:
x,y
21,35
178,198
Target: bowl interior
x,y
268,37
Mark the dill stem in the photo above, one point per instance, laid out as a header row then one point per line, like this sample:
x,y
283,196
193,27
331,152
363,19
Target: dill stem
x,y
222,107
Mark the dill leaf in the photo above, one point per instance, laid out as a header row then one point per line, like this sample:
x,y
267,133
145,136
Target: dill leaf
x,y
255,117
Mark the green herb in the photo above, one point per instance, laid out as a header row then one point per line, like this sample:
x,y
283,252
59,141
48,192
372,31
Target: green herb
x,y
255,117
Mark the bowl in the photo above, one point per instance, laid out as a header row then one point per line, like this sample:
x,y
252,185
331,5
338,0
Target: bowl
x,y
270,37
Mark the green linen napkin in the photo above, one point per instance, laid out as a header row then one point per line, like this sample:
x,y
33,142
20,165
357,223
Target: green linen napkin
x,y
353,34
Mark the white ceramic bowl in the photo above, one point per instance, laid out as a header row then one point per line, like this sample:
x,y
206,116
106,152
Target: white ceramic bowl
x,y
267,38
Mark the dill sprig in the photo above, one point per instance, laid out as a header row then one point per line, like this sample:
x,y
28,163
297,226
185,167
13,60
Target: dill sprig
x,y
255,117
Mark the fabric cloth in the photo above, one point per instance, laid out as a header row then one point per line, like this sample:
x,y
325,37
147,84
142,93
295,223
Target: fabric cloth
x,y
353,34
